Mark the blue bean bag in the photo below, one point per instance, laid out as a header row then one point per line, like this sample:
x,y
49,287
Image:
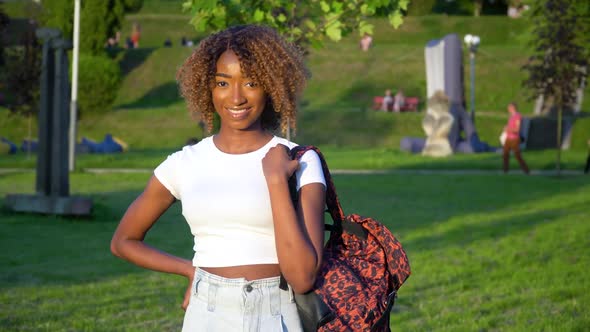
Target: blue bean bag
x,y
109,144
29,145
6,146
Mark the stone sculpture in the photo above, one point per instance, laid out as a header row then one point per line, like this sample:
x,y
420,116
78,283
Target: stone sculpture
x,y
437,124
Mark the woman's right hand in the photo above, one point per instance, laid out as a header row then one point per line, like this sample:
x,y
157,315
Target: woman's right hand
x,y
189,291
277,164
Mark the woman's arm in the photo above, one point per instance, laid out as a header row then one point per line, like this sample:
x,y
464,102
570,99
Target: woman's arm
x,y
127,242
299,233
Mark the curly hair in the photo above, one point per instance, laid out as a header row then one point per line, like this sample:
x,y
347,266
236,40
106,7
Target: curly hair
x,y
264,55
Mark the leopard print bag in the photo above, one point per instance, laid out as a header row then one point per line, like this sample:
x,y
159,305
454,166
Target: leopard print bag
x,y
363,267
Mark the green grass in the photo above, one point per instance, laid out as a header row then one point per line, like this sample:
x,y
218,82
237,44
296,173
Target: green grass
x,y
488,253
342,158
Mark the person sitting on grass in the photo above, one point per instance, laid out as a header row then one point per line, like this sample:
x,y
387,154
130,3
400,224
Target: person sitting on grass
x,y
233,187
399,101
387,101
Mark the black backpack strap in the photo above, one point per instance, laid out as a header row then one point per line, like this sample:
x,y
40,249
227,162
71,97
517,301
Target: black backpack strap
x,y
382,324
332,201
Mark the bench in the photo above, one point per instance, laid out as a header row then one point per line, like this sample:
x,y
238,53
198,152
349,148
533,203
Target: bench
x,y
411,104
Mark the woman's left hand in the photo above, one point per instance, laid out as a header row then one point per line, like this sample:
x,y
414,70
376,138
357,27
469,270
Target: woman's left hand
x,y
277,164
189,290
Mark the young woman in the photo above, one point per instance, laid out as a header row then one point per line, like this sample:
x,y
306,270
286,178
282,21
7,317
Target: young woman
x,y
233,187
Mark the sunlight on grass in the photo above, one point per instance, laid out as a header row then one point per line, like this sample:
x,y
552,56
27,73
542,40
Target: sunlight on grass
x,y
487,253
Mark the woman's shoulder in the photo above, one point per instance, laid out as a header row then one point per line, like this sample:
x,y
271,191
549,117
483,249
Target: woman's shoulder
x,y
284,141
308,155
204,146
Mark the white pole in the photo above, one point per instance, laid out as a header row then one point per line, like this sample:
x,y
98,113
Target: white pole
x,y
73,103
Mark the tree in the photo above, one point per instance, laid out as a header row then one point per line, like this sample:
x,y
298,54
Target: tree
x,y
559,59
3,24
477,7
304,22
479,4
20,64
100,19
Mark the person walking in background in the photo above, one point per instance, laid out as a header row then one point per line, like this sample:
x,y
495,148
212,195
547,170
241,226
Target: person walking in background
x,y
366,42
135,35
234,191
512,142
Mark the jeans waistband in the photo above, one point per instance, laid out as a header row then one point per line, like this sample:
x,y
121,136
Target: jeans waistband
x,y
214,279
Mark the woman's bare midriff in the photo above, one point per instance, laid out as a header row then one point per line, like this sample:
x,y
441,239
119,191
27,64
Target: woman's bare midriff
x,y
249,272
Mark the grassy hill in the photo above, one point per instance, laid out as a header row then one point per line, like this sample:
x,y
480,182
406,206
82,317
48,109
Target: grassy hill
x,y
148,112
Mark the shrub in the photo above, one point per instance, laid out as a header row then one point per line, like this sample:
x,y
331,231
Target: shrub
x,y
98,82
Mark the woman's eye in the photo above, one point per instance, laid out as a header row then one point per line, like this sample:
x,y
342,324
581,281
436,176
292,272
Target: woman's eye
x,y
221,84
251,84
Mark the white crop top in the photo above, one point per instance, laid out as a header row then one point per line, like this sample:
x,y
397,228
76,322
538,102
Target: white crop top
x,y
225,200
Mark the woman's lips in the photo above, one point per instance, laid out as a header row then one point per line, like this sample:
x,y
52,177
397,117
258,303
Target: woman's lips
x,y
238,112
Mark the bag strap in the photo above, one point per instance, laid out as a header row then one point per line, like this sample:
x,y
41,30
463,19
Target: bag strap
x,y
334,207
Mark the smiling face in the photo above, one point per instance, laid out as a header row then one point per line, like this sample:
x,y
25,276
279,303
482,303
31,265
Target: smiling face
x,y
237,99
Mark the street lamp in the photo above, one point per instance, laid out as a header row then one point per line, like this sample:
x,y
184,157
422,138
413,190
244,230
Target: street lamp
x,y
472,42
74,93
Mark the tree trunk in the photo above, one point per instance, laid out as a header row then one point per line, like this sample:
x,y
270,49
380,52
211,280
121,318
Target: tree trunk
x,y
477,6
539,104
559,105
580,95
29,136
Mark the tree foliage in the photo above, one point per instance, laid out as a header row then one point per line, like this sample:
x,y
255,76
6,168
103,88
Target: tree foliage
x,y
100,78
99,19
459,7
58,14
560,59
3,24
20,67
305,22
560,42
21,77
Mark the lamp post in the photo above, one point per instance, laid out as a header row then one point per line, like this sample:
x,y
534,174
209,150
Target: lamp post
x,y
472,42
74,93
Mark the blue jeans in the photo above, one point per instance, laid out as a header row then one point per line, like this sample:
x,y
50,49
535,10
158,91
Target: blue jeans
x,y
222,304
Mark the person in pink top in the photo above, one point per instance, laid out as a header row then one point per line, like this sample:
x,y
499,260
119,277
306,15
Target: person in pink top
x,y
512,143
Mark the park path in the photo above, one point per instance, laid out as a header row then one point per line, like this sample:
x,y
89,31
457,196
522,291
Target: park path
x,y
343,171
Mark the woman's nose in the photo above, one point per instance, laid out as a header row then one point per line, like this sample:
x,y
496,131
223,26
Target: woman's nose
x,y
238,97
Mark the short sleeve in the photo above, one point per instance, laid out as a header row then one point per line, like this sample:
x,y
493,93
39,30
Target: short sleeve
x,y
310,170
168,173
